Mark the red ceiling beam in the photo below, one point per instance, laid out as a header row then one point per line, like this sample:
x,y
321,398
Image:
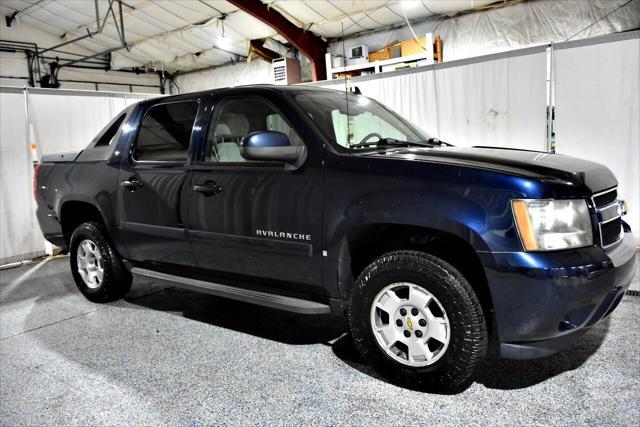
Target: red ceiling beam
x,y
263,52
307,43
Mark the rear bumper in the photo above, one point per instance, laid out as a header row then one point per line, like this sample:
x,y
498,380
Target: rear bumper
x,y
543,302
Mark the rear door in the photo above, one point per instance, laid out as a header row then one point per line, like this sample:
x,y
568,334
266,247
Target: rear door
x,y
153,185
264,220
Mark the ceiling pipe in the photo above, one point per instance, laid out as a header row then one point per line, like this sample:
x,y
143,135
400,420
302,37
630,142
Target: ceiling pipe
x,y
310,45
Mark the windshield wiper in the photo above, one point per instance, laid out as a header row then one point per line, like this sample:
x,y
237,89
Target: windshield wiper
x,y
391,142
436,141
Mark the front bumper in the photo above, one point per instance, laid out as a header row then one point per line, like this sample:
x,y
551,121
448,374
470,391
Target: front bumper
x,y
543,302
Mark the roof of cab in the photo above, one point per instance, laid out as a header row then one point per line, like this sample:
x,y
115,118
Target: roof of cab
x,y
235,90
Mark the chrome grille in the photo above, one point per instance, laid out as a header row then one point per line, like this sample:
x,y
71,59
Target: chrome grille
x,y
609,217
605,198
610,232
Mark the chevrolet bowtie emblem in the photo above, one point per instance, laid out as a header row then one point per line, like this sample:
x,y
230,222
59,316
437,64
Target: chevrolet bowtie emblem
x,y
410,324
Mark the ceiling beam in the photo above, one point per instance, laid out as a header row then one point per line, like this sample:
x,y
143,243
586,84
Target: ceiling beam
x,y
310,45
258,47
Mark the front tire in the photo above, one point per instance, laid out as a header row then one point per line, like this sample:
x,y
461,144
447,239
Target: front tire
x,y
417,320
96,267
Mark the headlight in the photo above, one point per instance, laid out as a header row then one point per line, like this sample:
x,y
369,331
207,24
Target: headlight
x,y
548,225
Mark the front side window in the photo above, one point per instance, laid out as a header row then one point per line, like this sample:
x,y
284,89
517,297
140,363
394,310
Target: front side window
x,y
165,132
235,118
359,120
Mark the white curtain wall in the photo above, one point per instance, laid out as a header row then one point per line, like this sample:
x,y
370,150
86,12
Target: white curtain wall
x,y
19,232
494,103
597,102
501,100
55,120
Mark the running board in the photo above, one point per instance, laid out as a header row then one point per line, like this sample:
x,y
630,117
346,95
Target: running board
x,y
280,302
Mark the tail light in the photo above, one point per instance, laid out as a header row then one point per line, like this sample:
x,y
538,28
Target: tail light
x,y
36,172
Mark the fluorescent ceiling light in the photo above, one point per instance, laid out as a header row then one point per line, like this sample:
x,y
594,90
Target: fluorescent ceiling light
x,y
410,4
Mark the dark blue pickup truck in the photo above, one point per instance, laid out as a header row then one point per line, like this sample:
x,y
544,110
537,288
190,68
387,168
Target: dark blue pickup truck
x,y
316,201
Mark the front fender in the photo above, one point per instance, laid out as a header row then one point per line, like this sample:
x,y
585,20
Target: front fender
x,y
483,219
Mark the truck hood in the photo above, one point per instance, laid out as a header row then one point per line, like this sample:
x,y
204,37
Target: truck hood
x,y
567,175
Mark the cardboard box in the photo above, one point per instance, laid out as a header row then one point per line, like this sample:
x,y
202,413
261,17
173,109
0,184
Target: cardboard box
x,y
396,50
379,55
392,50
411,47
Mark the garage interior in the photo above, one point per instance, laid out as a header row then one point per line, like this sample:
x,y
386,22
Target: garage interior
x,y
551,76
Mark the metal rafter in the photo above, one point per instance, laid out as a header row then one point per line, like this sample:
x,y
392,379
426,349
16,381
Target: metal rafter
x,y
119,28
307,43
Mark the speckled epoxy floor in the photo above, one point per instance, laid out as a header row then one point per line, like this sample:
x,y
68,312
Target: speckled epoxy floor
x,y
169,356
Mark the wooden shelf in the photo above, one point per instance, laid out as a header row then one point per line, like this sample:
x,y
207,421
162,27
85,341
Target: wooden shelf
x,y
375,66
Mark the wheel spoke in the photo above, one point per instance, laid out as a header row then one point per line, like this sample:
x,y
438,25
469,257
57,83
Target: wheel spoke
x,y
418,298
388,302
86,247
388,333
83,274
418,351
82,262
99,275
438,329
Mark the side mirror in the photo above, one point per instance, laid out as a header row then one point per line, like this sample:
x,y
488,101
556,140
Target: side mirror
x,y
274,146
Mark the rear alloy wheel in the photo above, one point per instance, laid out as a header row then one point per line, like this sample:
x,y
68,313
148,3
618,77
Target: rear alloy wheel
x,y
90,265
417,320
96,267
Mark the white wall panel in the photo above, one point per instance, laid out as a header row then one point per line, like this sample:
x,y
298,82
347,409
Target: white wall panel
x,y
496,103
598,111
19,232
69,121
411,95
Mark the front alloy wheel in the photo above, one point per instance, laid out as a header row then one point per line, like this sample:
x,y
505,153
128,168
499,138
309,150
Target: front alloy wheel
x,y
410,324
418,321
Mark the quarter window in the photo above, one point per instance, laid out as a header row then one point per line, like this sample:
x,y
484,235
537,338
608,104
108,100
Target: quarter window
x,y
108,136
165,132
233,119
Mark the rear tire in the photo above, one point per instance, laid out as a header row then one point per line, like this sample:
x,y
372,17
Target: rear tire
x,y
417,320
96,267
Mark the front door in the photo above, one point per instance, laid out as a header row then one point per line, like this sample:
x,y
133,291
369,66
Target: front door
x,y
255,218
153,182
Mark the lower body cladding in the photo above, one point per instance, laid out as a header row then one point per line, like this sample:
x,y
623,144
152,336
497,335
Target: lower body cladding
x,y
544,301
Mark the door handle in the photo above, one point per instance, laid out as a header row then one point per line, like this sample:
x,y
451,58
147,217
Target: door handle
x,y
209,188
132,184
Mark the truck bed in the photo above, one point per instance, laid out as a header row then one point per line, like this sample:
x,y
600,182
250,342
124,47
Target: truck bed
x,y
66,157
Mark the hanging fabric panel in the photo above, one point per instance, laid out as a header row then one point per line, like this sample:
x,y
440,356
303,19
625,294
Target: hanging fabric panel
x,y
20,235
598,112
499,103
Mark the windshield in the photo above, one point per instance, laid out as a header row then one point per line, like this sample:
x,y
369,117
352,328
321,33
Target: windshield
x,y
362,120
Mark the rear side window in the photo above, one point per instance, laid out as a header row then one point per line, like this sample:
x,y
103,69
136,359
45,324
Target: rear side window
x,y
110,133
165,132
